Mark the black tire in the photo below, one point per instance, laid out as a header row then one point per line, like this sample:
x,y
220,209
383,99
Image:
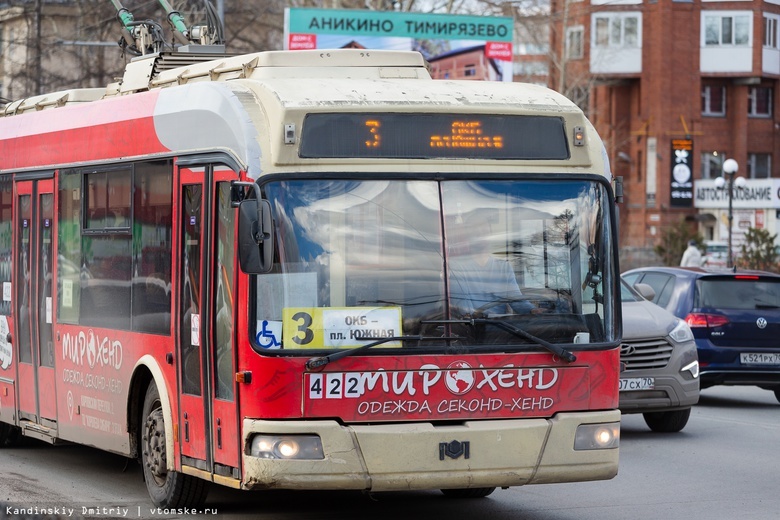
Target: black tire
x,y
168,489
468,492
10,435
667,422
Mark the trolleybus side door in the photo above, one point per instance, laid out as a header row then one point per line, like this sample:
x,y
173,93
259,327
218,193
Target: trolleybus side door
x,y
205,313
222,342
33,268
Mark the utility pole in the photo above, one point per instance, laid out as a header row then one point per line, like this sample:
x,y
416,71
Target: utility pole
x,y
564,57
38,50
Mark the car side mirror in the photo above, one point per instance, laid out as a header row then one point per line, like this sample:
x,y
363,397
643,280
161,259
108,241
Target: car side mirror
x,y
647,292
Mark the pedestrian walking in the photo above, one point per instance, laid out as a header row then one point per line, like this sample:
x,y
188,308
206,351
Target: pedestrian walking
x,y
692,256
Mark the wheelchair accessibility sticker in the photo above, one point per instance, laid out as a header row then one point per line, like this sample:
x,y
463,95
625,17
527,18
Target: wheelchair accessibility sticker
x,y
269,334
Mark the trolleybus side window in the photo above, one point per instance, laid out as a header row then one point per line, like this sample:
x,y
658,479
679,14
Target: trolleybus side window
x,y
6,234
152,236
46,248
114,263
69,247
223,307
23,304
106,250
190,286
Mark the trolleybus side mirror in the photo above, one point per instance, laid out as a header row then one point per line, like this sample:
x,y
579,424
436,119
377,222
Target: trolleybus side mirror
x,y
255,238
237,194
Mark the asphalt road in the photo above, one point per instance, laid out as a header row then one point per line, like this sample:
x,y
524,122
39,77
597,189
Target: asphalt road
x,y
723,465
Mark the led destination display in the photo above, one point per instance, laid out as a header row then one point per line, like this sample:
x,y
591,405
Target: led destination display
x,y
432,136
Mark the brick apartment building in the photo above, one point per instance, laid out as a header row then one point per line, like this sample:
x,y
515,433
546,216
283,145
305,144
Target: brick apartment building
x,y
675,88
465,63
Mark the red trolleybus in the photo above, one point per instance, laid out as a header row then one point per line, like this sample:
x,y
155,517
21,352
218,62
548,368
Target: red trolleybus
x,y
311,270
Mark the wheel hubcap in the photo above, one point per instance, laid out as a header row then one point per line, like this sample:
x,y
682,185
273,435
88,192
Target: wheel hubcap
x,y
154,446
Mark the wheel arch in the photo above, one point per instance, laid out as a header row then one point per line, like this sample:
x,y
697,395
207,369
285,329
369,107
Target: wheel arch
x,y
147,371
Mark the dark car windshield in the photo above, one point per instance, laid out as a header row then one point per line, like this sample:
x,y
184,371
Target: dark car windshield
x,y
740,292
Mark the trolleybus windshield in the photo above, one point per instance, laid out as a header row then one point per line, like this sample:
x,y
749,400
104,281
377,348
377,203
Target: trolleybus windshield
x,y
451,262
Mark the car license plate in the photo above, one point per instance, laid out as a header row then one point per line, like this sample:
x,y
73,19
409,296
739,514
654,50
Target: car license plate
x,y
768,358
637,383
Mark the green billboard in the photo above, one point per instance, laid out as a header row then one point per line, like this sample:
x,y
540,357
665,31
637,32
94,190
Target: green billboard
x,y
458,47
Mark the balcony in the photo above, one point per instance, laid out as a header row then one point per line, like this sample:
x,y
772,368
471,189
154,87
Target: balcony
x,y
616,42
726,42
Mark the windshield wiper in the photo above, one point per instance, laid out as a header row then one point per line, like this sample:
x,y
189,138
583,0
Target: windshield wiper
x,y
321,361
555,349
766,306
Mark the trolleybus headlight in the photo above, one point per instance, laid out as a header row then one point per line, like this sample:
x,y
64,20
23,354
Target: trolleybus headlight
x,y
286,447
597,436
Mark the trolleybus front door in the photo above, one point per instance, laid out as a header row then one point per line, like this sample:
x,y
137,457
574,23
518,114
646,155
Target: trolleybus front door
x,y
33,267
209,432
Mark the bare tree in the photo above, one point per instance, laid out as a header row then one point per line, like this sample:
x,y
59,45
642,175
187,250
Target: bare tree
x,y
54,45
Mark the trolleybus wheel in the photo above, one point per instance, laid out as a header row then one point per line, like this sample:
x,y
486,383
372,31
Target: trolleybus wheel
x,y
10,435
468,492
168,489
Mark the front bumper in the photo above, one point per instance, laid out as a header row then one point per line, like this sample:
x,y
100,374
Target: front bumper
x,y
669,393
391,457
722,366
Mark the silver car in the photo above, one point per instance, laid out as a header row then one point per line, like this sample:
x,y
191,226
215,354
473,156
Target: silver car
x,y
660,367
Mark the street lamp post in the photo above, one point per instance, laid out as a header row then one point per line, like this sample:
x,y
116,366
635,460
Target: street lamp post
x,y
730,168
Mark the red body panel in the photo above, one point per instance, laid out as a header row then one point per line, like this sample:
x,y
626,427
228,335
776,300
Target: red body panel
x,y
94,368
7,401
26,388
119,127
431,387
46,387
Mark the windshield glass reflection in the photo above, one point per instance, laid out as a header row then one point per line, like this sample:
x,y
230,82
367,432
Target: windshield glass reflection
x,y
360,260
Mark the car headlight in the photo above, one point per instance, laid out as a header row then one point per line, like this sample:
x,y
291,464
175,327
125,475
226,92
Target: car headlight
x,y
681,332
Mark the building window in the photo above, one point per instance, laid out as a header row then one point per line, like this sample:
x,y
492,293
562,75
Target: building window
x,y
727,29
602,32
631,31
532,49
759,165
470,70
530,68
713,100
760,102
574,36
711,165
770,31
616,30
